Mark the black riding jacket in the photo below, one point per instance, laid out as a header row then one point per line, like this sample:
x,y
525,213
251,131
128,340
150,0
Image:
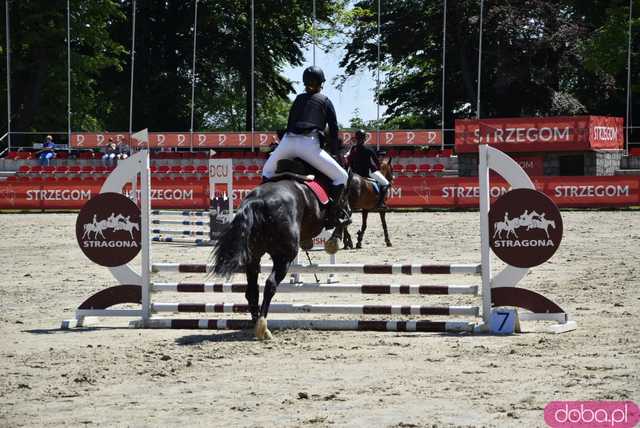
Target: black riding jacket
x,y
313,112
363,160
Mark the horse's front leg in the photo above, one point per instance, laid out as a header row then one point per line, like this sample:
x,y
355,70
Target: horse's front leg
x,y
383,219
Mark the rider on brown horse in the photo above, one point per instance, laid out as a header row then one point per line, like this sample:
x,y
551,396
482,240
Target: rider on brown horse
x,y
364,162
309,114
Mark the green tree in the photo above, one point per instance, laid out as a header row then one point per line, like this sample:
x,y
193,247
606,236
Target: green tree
x,y
605,56
539,57
101,63
164,43
272,113
357,122
39,62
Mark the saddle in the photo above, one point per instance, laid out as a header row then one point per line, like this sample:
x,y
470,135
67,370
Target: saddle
x,y
300,171
338,211
374,184
294,169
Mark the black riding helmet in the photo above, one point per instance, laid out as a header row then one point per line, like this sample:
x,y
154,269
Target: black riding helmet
x,y
313,75
361,136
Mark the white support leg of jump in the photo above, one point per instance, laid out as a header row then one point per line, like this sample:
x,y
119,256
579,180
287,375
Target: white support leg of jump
x,y
145,207
485,251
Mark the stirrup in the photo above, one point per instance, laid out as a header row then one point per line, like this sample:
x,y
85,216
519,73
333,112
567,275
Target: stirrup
x,y
344,221
343,217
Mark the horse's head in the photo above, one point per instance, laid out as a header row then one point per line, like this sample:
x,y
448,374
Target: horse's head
x,y
386,169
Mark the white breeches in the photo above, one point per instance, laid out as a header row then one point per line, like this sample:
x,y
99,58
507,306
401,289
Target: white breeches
x,y
380,179
307,148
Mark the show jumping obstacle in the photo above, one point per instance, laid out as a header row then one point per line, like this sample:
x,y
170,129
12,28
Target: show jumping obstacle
x,y
196,228
495,290
219,173
207,229
196,242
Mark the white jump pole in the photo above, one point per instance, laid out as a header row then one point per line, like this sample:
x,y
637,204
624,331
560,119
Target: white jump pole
x,y
485,252
145,208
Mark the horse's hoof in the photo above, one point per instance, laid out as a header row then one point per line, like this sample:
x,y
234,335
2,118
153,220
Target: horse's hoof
x,y
389,244
358,246
262,332
331,246
307,244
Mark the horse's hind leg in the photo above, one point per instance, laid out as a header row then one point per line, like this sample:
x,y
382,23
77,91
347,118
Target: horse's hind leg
x,y
383,219
280,268
365,214
252,292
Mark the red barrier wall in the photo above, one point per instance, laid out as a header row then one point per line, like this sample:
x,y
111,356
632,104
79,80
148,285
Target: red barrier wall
x,y
407,192
228,140
541,134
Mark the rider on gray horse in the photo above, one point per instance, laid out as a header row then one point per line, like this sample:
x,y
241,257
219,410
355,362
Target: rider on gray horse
x,y
310,113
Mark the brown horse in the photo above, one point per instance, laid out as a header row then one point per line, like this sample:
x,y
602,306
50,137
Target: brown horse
x,y
362,196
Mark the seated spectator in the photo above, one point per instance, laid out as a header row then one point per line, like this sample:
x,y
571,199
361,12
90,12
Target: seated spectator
x,y
122,148
110,153
48,151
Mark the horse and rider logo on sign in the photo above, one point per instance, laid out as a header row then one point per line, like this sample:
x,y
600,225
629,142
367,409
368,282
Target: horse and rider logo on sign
x,y
108,229
525,228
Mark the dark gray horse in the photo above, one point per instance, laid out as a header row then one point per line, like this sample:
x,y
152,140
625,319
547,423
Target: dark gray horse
x,y
275,219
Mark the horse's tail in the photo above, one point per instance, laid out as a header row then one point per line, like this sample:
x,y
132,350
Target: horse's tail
x,y
233,247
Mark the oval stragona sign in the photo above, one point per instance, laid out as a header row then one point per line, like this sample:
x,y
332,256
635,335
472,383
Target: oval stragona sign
x,y
525,228
108,229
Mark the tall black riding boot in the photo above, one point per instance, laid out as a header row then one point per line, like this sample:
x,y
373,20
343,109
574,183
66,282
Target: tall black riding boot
x,y
382,196
338,212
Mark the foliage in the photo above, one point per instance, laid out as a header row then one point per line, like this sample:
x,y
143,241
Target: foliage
x,y
39,62
223,81
101,61
539,58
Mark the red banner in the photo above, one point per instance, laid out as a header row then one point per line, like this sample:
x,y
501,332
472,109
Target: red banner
x,y
532,165
541,134
591,191
56,195
216,140
424,192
